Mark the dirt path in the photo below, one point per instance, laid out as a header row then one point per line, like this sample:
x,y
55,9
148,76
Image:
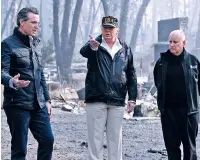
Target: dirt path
x,y
70,131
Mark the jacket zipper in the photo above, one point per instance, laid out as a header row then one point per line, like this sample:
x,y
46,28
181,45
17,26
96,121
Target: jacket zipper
x,y
113,65
186,84
164,67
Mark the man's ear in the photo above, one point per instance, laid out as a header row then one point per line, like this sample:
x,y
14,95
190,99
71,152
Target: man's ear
x,y
21,22
117,30
184,43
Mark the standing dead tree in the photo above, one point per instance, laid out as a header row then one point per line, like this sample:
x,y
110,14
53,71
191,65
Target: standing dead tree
x,y
71,41
197,43
123,19
138,22
56,32
7,17
106,7
65,43
13,17
94,15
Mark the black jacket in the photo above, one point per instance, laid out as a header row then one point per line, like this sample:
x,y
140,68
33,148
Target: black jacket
x,y
191,69
16,53
109,80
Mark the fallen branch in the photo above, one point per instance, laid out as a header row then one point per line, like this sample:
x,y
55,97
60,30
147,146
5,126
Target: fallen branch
x,y
157,151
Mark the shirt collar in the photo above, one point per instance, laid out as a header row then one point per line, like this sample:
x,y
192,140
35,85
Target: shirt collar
x,y
116,42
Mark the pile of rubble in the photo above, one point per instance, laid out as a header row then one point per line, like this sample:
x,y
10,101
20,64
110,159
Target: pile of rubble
x,y
145,107
67,99
148,106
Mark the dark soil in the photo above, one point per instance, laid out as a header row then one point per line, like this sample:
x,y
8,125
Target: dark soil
x,y
142,139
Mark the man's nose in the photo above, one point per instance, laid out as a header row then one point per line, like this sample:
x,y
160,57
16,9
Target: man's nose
x,y
37,26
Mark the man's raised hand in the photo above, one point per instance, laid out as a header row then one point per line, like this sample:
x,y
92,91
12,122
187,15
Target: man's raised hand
x,y
93,43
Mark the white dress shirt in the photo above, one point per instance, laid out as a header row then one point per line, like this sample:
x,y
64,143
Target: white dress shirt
x,y
112,51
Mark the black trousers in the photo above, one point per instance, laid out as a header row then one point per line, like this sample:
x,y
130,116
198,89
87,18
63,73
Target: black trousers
x,y
37,120
179,127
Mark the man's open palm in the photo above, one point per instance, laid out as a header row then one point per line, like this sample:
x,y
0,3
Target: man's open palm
x,y
19,83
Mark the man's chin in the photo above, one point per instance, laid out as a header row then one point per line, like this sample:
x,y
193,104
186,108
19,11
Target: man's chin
x,y
173,52
107,38
34,34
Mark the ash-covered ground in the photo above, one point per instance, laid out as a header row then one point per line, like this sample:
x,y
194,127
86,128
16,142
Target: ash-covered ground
x,y
140,139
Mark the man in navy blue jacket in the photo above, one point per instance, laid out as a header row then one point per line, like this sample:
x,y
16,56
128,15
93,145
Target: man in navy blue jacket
x,y
111,74
26,99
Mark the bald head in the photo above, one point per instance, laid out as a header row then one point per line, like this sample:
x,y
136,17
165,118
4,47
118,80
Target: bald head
x,y
177,33
177,42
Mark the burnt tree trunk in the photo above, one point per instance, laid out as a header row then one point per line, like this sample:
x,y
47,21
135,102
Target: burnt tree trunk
x,y
114,11
94,15
28,4
138,22
41,22
56,33
89,21
13,23
65,25
123,19
197,43
65,36
71,42
12,18
106,7
7,17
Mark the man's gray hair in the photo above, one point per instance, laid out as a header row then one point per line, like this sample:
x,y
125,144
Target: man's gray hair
x,y
23,14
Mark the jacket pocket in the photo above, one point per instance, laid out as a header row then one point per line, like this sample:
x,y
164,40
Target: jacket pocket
x,y
39,59
21,59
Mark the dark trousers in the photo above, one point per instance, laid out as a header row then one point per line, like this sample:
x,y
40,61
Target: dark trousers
x,y
179,127
19,121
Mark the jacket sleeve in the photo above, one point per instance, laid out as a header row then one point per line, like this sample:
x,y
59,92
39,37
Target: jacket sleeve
x,y
5,64
131,78
155,73
199,77
86,51
44,86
